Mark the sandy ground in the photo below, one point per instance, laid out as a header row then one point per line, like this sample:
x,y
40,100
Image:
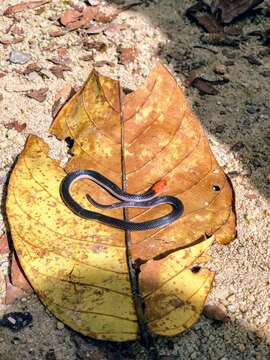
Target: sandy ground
x,y
237,123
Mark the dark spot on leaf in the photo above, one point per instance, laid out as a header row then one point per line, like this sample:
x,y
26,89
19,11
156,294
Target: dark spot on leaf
x,y
195,269
69,141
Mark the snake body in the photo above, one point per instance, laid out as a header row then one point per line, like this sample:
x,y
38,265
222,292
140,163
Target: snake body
x,y
148,199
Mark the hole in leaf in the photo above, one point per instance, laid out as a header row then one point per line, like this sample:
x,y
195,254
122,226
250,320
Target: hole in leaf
x,y
69,141
195,269
216,187
127,91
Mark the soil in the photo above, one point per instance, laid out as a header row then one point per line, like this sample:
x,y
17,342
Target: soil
x,y
237,124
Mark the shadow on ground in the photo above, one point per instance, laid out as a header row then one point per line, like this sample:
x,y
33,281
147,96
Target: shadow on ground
x,y
230,340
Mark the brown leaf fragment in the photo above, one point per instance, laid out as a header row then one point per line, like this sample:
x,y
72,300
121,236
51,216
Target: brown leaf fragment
x,y
89,13
62,51
18,278
200,13
69,16
128,55
58,70
87,57
73,19
39,95
57,33
24,6
11,41
103,62
61,98
190,78
40,11
97,45
12,293
230,9
31,68
1,97
209,23
60,61
78,267
216,312
2,75
204,87
4,247
15,125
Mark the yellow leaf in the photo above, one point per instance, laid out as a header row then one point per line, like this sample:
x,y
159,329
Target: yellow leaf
x,y
80,268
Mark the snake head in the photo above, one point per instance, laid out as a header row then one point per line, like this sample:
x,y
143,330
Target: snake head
x,y
159,186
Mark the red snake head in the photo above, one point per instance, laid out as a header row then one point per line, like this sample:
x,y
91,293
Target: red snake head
x,y
159,186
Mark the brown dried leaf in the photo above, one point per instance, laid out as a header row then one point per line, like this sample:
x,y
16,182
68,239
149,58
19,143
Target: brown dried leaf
x,y
88,57
209,23
57,33
204,86
4,247
97,45
24,6
60,61
40,11
230,9
11,41
39,95
102,63
190,78
79,266
31,68
62,51
58,70
200,12
18,278
61,98
15,125
89,13
69,16
73,19
128,55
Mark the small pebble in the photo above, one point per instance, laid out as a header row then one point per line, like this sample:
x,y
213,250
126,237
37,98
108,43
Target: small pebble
x,y
215,312
60,325
241,347
231,308
17,57
220,69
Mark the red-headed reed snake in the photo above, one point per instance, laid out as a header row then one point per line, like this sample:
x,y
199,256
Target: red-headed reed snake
x,y
148,199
